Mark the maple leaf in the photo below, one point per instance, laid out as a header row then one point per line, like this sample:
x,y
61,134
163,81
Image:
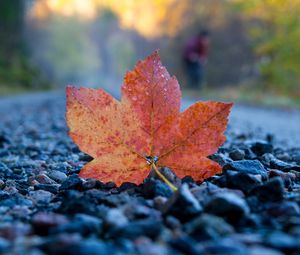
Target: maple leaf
x,y
146,128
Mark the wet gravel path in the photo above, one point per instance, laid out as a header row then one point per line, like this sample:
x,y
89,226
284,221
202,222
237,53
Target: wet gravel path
x,y
284,124
252,208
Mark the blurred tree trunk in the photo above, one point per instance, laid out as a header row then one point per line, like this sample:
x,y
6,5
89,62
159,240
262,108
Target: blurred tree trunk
x,y
15,67
11,31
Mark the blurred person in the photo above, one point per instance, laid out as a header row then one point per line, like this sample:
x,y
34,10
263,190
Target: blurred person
x,y
195,57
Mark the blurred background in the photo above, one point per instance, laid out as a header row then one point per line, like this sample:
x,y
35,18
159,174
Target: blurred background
x,y
253,54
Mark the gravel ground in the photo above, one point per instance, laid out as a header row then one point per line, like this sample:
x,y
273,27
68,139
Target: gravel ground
x,y
252,208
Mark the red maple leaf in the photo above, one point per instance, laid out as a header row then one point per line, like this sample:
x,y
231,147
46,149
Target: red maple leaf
x,y
145,128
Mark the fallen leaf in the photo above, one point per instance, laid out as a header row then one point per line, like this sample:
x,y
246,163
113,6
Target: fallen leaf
x,y
125,137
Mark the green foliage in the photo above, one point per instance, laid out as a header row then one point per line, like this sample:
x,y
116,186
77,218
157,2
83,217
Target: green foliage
x,y
275,30
74,50
67,47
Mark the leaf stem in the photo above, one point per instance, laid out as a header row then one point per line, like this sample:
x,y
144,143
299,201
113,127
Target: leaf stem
x,y
163,177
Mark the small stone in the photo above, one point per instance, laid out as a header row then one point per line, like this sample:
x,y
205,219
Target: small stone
x,y
249,154
44,179
85,157
207,227
61,166
221,159
247,238
16,199
281,165
73,182
14,230
2,184
53,188
284,209
270,138
21,212
40,196
288,178
127,186
297,174
145,246
182,198
153,188
4,245
60,244
224,247
70,244
159,201
4,139
88,247
144,227
260,250
294,231
89,184
168,173
261,147
3,195
247,166
44,221
272,162
32,181
57,176
237,154
204,190
187,179
115,218
272,190
267,158
185,245
136,210
227,205
242,181
74,202
89,220
81,223
282,241
296,157
219,180
284,156
172,222
5,172
11,190
109,185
